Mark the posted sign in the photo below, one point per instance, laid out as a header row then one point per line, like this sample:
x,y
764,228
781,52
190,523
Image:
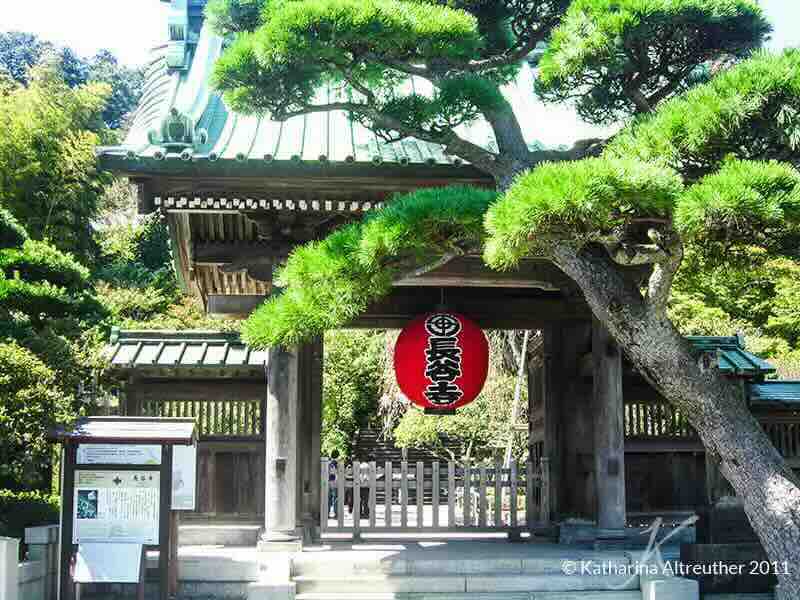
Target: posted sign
x,y
119,454
116,506
184,477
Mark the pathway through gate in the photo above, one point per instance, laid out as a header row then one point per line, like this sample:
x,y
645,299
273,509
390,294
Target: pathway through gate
x,y
401,497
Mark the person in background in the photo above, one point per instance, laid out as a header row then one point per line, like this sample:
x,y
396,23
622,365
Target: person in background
x,y
333,492
363,482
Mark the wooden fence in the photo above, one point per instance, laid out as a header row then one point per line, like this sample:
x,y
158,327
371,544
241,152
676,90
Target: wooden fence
x,y
435,497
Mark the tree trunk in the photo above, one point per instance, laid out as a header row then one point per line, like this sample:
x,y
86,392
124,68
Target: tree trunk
x,y
712,403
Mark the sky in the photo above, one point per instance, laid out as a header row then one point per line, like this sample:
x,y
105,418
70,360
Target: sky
x,y
129,28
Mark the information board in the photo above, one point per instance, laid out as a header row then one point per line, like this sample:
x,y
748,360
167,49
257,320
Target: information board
x,y
184,477
119,454
101,563
121,506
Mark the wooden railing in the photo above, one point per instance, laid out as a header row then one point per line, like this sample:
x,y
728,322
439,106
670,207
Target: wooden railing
x,y
436,497
651,420
223,419
784,431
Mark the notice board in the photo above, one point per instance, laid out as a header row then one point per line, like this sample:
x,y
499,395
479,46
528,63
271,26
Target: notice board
x,y
116,506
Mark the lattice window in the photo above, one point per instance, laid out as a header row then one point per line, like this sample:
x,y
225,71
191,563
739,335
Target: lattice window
x,y
215,419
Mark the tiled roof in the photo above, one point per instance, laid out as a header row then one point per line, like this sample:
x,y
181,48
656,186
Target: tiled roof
x,y
731,355
784,393
182,121
182,350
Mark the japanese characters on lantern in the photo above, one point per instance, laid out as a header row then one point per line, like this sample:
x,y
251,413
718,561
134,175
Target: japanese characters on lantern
x,y
441,361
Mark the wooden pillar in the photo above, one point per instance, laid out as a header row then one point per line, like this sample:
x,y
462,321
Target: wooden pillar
x,y
570,397
164,529
315,431
280,481
609,433
549,382
310,431
68,462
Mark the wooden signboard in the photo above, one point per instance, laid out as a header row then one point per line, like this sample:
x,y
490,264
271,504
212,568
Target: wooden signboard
x,y
117,495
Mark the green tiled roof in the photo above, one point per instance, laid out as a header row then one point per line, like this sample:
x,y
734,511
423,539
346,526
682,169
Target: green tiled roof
x,y
194,350
783,393
732,357
181,121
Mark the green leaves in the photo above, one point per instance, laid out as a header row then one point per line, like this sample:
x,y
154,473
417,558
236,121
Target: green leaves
x,y
743,201
736,113
621,57
234,16
327,284
30,404
12,234
575,202
38,261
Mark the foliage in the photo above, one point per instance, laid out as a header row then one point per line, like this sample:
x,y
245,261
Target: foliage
x,y
284,52
329,283
19,52
30,404
48,174
621,57
579,202
19,510
38,261
351,387
12,234
744,201
745,111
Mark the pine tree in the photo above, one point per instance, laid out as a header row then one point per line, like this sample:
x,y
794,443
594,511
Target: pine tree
x,y
702,164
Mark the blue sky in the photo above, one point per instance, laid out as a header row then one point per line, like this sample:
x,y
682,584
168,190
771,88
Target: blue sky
x,y
130,27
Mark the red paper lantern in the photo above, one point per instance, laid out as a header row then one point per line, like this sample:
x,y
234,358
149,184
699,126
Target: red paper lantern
x,y
441,360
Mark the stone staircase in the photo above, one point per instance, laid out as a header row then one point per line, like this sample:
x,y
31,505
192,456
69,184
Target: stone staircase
x,y
375,577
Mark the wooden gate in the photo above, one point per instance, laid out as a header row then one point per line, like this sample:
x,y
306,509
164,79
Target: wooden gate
x,y
400,497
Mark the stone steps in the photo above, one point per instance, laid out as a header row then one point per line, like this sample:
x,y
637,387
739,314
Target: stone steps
x,y
466,585
466,571
218,534
628,595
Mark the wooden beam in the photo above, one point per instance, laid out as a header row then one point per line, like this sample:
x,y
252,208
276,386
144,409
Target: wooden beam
x,y
471,271
187,390
491,308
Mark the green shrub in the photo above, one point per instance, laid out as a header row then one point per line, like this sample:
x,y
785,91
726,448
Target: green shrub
x,y
19,510
12,234
30,405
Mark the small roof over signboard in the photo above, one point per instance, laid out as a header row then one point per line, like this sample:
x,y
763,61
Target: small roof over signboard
x,y
128,430
184,353
731,355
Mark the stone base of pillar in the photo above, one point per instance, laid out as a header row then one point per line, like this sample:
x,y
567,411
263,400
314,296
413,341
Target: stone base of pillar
x,y
280,541
274,546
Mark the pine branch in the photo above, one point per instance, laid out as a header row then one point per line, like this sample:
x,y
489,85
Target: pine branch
x,y
452,142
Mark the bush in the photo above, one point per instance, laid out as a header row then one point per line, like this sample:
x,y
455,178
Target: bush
x,y
19,510
30,405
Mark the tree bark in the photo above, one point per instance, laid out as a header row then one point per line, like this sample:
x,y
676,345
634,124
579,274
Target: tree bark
x,y
712,403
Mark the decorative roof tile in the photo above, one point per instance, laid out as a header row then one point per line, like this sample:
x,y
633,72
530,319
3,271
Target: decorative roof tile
x,y
731,356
